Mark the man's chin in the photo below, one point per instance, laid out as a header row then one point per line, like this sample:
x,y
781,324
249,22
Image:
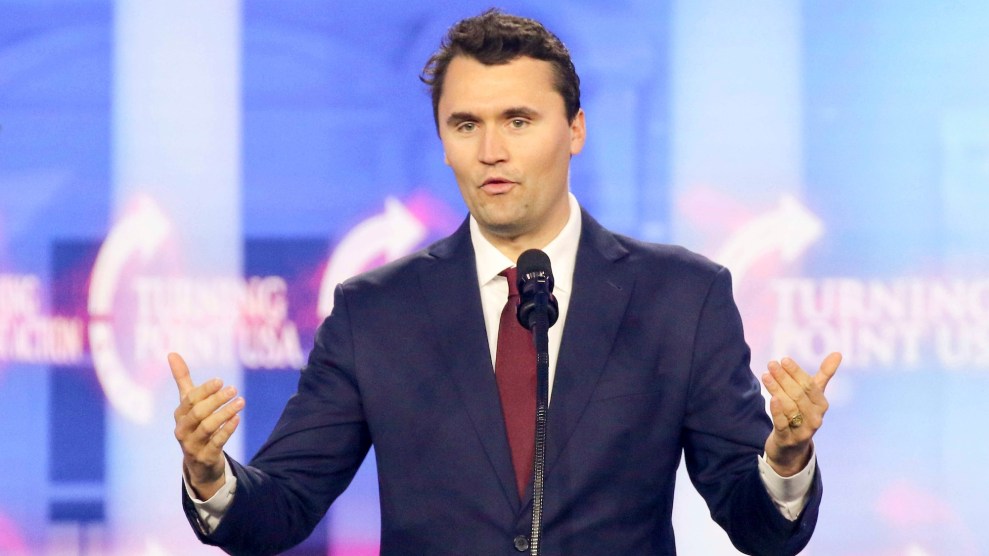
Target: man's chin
x,y
508,230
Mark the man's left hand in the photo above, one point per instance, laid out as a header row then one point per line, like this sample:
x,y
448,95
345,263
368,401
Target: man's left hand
x,y
797,407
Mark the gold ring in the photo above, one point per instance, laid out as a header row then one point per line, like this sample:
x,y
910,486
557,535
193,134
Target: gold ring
x,y
796,421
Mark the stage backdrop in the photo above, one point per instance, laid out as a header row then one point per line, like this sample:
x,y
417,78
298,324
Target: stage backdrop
x,y
197,176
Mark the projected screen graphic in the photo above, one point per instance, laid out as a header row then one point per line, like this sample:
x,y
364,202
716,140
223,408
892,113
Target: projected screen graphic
x,y
198,178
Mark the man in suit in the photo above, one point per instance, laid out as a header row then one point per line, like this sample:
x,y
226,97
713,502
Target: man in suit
x,y
647,363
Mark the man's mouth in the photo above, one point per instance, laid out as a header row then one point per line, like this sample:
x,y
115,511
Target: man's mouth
x,y
497,185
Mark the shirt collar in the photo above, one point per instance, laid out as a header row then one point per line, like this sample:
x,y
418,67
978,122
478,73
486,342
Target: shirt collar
x,y
562,252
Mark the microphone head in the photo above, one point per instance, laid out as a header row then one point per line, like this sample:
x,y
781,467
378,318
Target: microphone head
x,y
532,264
535,284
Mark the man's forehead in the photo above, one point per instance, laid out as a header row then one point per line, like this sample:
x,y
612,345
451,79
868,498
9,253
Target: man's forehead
x,y
470,80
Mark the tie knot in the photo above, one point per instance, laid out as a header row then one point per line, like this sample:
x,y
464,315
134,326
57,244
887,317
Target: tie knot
x,y
511,274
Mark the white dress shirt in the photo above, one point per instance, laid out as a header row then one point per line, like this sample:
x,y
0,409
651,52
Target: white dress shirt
x,y
789,494
562,253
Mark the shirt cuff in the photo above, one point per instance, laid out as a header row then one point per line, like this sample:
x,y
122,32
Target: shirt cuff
x,y
212,511
789,494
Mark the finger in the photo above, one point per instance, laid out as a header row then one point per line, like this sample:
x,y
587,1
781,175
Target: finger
x,y
782,416
188,421
780,422
799,376
812,399
207,406
213,450
785,406
786,378
180,372
198,394
771,384
223,434
210,425
827,370
810,404
810,396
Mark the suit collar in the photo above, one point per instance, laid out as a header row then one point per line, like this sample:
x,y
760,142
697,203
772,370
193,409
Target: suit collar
x,y
453,300
601,291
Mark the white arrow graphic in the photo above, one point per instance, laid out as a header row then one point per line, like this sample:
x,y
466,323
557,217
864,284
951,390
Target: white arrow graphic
x,y
788,229
139,233
391,234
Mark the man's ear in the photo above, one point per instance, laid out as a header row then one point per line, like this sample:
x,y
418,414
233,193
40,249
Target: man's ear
x,y
578,133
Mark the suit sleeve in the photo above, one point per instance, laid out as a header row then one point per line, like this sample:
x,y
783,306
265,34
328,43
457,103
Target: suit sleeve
x,y
726,428
311,455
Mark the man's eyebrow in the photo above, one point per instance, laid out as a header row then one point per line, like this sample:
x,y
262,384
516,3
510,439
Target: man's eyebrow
x,y
459,117
519,112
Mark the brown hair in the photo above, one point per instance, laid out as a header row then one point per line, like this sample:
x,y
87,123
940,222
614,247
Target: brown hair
x,y
494,38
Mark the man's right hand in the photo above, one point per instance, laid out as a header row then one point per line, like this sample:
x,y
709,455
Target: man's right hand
x,y
204,421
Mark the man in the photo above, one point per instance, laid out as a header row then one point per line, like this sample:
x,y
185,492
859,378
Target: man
x,y
647,362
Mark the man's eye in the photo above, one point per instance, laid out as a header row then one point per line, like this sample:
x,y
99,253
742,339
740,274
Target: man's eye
x,y
518,123
467,126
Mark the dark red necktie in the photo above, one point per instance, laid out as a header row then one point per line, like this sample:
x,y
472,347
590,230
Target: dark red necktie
x,y
515,373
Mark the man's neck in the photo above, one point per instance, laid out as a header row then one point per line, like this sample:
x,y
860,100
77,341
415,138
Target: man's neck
x,y
513,247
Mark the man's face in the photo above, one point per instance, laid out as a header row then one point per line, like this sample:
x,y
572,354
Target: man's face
x,y
506,136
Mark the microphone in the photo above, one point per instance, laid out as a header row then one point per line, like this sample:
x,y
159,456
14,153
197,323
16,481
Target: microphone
x,y
535,283
537,311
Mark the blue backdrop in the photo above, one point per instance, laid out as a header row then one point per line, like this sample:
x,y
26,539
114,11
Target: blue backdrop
x,y
178,176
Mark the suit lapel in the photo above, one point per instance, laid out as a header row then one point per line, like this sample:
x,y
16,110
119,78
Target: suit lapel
x,y
453,300
601,290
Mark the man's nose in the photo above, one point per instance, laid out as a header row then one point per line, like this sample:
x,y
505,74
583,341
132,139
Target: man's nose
x,y
493,148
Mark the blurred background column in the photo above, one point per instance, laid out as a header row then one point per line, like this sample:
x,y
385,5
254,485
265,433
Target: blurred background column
x,y
736,103
736,149
176,127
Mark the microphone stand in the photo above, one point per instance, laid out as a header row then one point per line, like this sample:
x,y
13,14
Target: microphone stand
x,y
537,311
540,338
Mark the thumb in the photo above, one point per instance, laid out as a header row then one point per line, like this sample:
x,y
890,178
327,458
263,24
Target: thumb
x,y
180,372
828,369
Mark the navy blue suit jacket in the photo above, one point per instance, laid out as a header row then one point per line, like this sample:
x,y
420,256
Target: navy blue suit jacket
x,y
652,365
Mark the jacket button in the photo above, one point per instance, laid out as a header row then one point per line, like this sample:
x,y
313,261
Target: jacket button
x,y
521,543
